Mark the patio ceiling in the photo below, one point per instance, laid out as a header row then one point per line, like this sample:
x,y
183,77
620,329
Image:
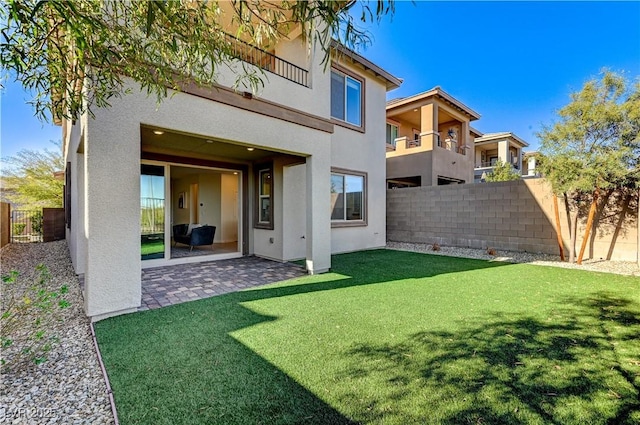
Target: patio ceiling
x,y
189,145
412,117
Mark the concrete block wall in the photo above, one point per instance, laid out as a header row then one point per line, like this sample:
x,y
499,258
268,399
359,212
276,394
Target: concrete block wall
x,y
514,216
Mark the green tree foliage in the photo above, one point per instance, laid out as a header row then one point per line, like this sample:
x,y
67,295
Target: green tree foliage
x,y
57,48
595,144
502,172
31,176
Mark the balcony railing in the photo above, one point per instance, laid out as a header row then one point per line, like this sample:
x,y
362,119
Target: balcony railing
x,y
490,164
267,61
405,143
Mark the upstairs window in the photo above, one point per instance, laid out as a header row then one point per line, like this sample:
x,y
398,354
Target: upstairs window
x,y
346,98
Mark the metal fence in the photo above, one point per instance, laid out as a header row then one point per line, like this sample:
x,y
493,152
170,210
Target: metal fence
x,y
151,215
26,226
267,61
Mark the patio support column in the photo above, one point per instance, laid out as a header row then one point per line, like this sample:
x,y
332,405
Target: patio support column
x,y
112,215
519,151
464,138
429,126
503,150
318,213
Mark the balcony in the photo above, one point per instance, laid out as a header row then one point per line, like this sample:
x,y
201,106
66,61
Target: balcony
x,y
490,164
402,144
267,61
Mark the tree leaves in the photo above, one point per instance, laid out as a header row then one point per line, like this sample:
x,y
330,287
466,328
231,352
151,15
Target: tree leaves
x,y
595,142
502,172
31,180
74,55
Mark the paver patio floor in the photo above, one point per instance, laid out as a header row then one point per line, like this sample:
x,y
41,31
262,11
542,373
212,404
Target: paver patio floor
x,y
168,285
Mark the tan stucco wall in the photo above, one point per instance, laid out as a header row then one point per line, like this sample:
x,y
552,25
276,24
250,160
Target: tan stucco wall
x,y
106,242
516,216
364,152
451,164
415,164
112,186
280,90
429,160
76,234
294,209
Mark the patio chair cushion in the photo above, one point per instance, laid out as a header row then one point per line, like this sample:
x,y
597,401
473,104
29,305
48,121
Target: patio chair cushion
x,y
199,236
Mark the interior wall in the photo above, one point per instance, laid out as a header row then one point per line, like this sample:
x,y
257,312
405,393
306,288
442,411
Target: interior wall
x,y
209,197
218,203
180,215
229,216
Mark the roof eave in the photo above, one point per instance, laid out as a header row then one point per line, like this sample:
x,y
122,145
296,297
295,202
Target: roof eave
x,y
391,81
437,91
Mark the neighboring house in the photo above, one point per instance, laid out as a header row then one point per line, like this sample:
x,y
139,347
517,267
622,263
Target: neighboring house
x,y
493,147
294,172
530,164
429,140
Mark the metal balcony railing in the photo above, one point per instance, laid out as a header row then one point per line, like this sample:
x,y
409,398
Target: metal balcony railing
x,y
267,61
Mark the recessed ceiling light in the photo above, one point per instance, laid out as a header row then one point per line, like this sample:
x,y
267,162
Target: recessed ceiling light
x,y
158,132
235,173
209,141
250,149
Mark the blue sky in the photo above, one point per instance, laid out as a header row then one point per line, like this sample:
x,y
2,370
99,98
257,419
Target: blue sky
x,y
513,62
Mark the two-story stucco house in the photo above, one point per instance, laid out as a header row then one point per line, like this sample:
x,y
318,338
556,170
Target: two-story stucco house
x,y
493,147
429,140
295,171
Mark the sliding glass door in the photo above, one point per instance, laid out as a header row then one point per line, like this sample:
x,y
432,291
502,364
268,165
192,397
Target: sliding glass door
x,y
152,211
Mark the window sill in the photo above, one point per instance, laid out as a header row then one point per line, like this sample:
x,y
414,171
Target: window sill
x,y
347,125
354,223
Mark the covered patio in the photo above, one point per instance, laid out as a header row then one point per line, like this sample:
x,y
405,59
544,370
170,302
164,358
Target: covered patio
x,y
175,284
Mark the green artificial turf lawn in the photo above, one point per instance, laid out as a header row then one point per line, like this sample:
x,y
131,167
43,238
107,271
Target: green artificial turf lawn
x,y
152,247
388,337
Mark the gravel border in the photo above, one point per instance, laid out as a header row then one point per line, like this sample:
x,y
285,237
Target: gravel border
x,y
597,265
69,387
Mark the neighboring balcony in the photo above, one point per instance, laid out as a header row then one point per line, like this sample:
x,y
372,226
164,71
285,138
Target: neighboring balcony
x,y
424,142
493,147
267,61
481,169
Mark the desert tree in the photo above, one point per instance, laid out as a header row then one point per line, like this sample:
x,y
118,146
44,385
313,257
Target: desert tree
x,y
592,148
34,177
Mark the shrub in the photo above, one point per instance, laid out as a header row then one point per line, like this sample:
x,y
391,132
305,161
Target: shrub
x,y
36,222
26,316
502,172
18,228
